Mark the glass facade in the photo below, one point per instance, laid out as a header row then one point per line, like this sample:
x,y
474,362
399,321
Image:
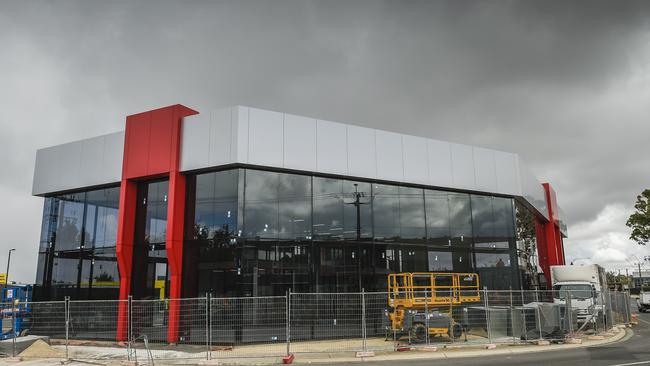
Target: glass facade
x,y
252,232
255,233
77,246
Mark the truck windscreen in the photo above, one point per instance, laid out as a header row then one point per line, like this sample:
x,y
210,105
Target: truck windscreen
x,y
577,291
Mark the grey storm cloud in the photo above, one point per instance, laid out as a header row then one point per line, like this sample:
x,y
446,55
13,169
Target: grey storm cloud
x,y
564,83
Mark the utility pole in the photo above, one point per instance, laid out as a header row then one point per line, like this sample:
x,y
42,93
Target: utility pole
x,y
357,204
640,277
8,263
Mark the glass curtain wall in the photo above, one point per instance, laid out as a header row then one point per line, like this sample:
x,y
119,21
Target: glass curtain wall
x,y
77,246
256,233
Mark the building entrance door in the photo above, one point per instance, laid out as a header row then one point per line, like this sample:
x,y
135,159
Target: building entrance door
x,y
150,273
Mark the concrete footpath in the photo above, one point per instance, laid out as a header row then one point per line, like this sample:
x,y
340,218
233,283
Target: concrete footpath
x,y
85,355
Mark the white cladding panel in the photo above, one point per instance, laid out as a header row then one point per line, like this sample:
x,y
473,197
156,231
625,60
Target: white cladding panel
x,y
416,159
440,173
113,156
79,164
265,138
390,165
462,167
206,140
299,143
362,161
259,137
196,139
484,169
332,147
220,137
506,172
240,137
92,154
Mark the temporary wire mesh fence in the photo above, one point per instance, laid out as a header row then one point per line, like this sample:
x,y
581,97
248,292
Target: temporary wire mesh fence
x,y
315,322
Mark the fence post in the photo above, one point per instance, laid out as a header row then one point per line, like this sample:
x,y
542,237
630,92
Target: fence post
x,y
538,315
487,314
129,321
207,327
13,328
66,310
451,316
512,317
288,321
523,317
568,312
363,320
426,318
602,311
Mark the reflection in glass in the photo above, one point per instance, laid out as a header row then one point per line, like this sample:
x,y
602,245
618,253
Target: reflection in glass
x,y
261,204
294,207
335,209
460,219
156,216
493,222
71,211
75,229
526,237
440,261
101,218
411,214
386,212
216,204
494,270
437,213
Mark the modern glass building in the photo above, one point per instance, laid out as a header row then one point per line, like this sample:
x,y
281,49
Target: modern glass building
x,y
248,202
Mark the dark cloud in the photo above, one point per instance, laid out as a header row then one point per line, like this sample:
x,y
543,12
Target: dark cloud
x,y
564,83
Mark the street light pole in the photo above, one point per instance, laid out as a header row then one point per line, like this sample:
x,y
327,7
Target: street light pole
x,y
8,263
357,204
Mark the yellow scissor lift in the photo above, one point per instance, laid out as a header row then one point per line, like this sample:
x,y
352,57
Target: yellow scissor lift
x,y
418,299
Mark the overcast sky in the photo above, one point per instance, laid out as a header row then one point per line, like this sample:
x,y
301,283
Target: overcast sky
x,y
564,83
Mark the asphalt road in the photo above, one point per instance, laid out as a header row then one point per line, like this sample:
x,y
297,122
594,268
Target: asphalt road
x,y
630,351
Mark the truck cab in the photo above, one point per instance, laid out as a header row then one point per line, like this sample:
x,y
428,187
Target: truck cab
x,y
584,296
583,284
644,301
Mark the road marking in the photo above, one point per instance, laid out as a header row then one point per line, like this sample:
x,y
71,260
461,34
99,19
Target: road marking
x,y
632,363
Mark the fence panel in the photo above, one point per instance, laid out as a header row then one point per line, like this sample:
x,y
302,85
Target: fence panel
x,y
150,334
322,322
46,318
379,333
248,327
326,322
93,320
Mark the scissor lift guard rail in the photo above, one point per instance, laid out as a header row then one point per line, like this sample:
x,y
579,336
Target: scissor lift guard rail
x,y
419,299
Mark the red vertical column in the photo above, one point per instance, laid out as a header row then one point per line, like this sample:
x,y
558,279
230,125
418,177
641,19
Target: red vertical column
x,y
124,250
549,238
175,232
152,147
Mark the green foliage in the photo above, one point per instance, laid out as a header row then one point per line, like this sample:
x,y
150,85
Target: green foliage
x,y
639,221
613,278
104,277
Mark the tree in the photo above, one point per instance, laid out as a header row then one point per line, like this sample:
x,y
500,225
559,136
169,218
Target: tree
x,y
639,221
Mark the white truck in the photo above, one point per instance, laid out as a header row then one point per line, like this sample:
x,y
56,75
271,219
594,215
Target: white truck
x,y
584,284
644,301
